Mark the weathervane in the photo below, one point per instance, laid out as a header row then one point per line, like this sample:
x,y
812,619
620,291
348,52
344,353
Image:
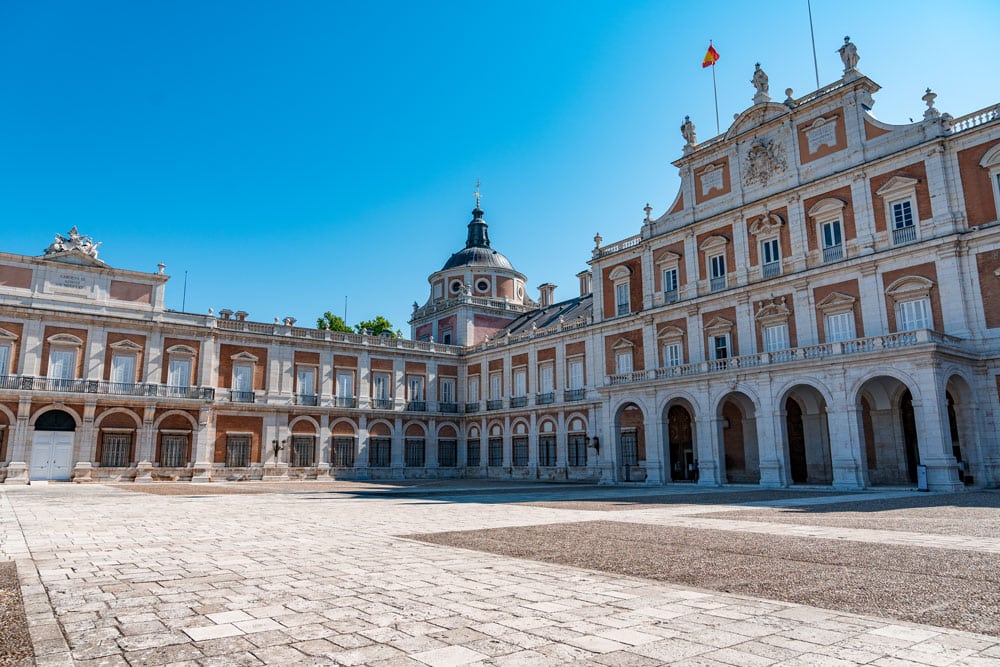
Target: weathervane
x,y
477,193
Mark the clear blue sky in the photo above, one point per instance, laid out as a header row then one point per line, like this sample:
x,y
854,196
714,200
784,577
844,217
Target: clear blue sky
x,y
287,154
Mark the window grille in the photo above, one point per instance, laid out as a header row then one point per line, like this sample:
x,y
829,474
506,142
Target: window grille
x,y
303,451
546,450
343,452
380,452
520,451
472,455
237,451
630,448
577,449
496,452
447,453
414,452
173,450
115,452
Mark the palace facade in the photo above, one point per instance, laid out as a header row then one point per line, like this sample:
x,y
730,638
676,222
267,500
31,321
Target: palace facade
x,y
820,304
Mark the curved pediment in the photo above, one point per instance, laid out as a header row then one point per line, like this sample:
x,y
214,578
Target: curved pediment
x,y
65,339
769,222
670,332
714,241
668,257
620,272
909,286
826,206
991,158
755,116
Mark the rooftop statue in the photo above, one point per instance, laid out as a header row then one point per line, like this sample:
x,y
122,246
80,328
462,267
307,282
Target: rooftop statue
x,y
73,241
759,82
849,55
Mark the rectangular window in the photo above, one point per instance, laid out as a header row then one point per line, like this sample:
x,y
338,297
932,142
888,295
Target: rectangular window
x,y
414,452
914,315
577,450
379,452
623,361
473,389
547,450
717,265
519,450
380,386
447,390
833,248
496,386
4,358
546,379
720,346
345,384
520,382
576,374
62,364
770,253
472,453
237,451
621,299
447,453
415,387
305,380
243,378
496,452
343,451
303,451
173,451
115,450
672,355
123,369
669,281
179,373
446,336
839,327
902,214
775,338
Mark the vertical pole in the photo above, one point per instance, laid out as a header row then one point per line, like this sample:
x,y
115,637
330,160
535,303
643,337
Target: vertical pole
x,y
716,91
185,293
812,36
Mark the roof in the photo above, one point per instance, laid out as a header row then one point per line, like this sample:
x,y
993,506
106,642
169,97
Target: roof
x,y
569,310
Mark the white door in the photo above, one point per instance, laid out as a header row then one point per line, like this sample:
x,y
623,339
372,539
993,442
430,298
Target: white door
x,y
51,455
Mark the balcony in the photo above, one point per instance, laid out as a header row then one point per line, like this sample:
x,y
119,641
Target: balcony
x,y
141,389
416,406
875,344
472,407
670,296
451,408
307,399
495,404
903,235
345,402
717,283
574,394
833,253
771,270
546,398
241,396
382,404
518,401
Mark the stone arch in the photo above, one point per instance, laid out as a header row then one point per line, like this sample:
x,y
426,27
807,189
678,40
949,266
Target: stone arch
x,y
304,424
963,423
118,431
379,444
175,431
679,443
736,415
414,445
380,428
806,435
49,408
888,429
630,436
447,430
344,427
896,374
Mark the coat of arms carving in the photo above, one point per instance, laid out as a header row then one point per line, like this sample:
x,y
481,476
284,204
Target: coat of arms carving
x,y
766,158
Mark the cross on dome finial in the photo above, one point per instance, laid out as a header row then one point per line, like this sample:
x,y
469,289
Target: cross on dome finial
x,y
477,193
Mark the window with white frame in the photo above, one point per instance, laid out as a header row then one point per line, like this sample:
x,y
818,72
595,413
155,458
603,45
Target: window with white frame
x,y
623,360
345,384
767,230
714,249
828,216
415,387
900,196
839,326
775,337
671,342
717,271
473,389
669,263
305,380
773,316
620,279
575,372
5,348
446,389
669,277
123,367
546,378
179,372
720,346
770,252
381,383
719,331
62,363
672,354
520,382
991,163
243,377
496,386
911,296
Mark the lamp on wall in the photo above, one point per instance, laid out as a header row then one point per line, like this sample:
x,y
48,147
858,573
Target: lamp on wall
x,y
277,447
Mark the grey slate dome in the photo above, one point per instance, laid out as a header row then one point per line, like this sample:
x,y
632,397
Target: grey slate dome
x,y
477,250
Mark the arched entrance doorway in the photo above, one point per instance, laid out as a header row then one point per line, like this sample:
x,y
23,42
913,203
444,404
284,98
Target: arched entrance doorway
x,y
682,455
807,437
738,422
629,427
962,424
889,432
52,446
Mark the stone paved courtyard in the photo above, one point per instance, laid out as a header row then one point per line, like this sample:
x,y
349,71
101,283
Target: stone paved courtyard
x,y
317,573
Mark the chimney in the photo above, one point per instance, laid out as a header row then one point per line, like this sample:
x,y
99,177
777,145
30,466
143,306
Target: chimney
x,y
585,282
546,294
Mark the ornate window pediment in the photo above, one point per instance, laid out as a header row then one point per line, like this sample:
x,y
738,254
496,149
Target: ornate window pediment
x,y
623,344
719,325
775,312
65,339
125,346
181,350
991,158
767,223
909,287
244,356
829,207
620,272
897,185
668,257
6,335
714,242
669,332
836,302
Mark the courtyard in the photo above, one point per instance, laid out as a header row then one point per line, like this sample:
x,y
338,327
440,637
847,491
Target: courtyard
x,y
479,573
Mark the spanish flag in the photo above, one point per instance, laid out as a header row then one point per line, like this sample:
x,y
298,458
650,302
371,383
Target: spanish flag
x,y
711,56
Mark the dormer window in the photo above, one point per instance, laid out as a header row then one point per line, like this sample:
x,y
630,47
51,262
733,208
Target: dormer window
x,y
900,197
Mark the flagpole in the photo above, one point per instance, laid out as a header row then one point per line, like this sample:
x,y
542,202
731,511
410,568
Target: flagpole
x,y
715,91
812,36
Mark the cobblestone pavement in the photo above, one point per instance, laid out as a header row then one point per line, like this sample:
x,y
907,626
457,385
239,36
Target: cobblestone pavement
x,y
113,578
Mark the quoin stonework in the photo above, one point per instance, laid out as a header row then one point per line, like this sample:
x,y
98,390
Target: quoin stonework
x,y
820,304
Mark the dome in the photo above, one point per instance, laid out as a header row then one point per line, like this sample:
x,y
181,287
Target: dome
x,y
477,250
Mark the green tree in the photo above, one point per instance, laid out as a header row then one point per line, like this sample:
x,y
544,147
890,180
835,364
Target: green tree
x,y
332,322
377,327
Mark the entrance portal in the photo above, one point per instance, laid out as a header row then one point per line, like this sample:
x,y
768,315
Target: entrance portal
x,y
52,447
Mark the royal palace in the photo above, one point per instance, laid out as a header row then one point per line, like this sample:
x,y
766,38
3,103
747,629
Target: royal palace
x,y
819,304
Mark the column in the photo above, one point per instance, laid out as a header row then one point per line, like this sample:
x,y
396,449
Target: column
x,y
934,441
204,445
846,446
797,233
145,452
431,461
804,311
874,322
325,445
745,325
772,453
20,445
397,461
952,294
653,428
361,448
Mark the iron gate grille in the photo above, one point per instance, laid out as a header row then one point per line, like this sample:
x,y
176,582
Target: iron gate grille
x,y
496,452
577,450
114,453
237,451
343,452
630,448
547,450
472,455
414,452
380,452
303,450
447,453
520,451
172,450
